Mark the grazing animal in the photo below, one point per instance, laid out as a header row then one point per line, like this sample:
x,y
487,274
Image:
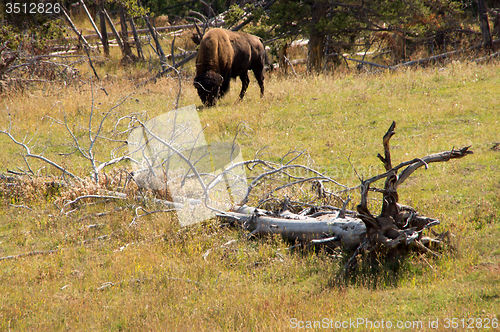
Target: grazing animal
x,y
222,55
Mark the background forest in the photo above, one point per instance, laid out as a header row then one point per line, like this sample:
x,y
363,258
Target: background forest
x,y
391,31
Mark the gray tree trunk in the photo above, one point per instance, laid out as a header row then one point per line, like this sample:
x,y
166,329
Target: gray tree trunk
x,y
483,22
104,34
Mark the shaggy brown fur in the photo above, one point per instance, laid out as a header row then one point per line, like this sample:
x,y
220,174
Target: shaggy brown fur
x,y
223,55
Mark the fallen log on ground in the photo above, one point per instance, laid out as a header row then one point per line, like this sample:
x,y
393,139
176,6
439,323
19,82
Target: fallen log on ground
x,y
397,226
308,215
329,227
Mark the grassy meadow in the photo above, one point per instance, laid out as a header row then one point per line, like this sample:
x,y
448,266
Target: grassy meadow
x,y
105,274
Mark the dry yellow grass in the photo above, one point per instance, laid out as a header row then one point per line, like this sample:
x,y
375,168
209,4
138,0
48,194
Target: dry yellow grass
x,y
158,276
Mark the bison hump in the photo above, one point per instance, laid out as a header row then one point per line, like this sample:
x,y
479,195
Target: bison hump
x,y
215,52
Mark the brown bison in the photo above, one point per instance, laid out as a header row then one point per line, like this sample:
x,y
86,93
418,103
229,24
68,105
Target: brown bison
x,y
224,54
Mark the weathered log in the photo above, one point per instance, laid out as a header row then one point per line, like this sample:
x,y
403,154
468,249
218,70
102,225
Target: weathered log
x,y
432,58
158,29
397,226
159,50
104,34
91,19
348,231
115,32
75,30
124,33
136,39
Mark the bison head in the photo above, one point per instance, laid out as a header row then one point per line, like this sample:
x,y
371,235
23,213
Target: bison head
x,y
208,85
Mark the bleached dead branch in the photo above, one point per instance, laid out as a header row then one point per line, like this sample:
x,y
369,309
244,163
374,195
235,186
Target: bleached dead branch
x,y
147,213
35,156
79,198
48,252
397,225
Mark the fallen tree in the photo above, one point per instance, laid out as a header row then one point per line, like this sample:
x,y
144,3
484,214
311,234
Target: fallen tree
x,y
397,226
201,181
322,227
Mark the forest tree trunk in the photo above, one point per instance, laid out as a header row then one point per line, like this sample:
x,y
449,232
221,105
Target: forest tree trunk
x,y
483,22
317,37
104,34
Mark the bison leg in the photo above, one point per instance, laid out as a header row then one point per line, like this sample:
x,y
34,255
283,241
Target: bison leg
x,y
259,75
244,84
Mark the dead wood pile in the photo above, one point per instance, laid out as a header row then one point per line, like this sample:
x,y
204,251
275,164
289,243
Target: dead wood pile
x,y
396,227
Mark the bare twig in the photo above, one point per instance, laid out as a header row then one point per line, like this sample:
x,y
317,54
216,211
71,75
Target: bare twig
x,y
147,213
79,198
283,169
36,156
21,206
291,65
33,253
433,158
48,252
88,153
